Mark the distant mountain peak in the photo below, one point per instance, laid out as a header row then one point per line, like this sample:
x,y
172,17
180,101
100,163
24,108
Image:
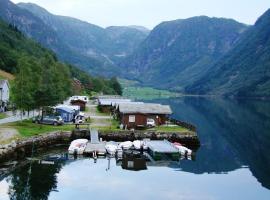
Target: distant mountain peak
x,y
264,18
32,6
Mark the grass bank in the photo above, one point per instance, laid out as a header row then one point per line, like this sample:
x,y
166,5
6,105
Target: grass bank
x,y
3,115
27,129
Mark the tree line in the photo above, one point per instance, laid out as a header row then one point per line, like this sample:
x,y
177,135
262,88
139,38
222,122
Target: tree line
x,y
40,83
46,82
41,80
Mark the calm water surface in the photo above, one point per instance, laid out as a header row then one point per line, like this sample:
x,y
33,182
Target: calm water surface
x,y
233,162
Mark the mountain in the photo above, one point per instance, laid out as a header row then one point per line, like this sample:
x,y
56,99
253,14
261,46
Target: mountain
x,y
15,47
245,70
92,48
177,53
125,39
34,27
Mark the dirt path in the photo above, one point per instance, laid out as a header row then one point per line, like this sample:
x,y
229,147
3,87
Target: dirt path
x,y
8,134
97,119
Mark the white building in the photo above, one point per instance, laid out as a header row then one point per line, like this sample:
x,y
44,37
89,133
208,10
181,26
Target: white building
x,y
4,94
82,98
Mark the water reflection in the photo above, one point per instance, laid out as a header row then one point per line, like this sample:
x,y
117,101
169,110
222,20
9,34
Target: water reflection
x,y
34,184
235,140
233,133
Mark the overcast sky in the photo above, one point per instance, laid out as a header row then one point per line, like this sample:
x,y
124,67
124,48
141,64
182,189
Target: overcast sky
x,y
149,13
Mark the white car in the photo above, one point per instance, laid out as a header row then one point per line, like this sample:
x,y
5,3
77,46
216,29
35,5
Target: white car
x,y
79,119
150,122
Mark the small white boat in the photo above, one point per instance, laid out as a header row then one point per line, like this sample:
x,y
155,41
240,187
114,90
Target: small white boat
x,y
125,145
139,143
77,146
182,149
111,147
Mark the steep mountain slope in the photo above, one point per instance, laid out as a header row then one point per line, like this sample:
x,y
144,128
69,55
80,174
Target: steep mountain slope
x,y
14,46
105,46
245,70
125,39
28,23
177,53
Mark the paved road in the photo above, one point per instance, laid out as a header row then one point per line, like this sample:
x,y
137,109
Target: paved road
x,y
17,118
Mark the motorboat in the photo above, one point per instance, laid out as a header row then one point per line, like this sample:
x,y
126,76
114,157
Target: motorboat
x,y
77,146
182,149
125,145
111,147
139,143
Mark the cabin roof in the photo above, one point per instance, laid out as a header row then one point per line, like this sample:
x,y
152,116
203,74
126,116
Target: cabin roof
x,y
110,97
146,108
132,102
112,102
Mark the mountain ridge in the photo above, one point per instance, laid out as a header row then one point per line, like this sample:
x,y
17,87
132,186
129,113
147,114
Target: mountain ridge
x,y
244,71
182,49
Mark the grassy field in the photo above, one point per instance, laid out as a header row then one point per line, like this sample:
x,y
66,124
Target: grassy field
x,y
3,115
133,89
27,129
147,93
170,129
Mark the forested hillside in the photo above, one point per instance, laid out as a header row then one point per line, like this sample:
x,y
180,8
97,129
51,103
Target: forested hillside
x,y
245,70
177,53
16,51
92,48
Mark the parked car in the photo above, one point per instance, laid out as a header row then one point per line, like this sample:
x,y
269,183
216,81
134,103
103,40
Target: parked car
x,y
150,122
51,120
79,119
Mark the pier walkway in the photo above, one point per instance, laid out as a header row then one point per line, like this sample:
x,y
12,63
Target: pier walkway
x,y
94,146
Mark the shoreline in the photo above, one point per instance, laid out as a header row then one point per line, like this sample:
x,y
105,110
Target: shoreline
x,y
18,150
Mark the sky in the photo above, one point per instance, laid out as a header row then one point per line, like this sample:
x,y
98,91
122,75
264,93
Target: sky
x,y
150,13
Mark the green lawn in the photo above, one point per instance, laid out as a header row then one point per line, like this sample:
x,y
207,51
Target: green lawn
x,y
27,129
3,115
170,129
98,112
113,127
147,93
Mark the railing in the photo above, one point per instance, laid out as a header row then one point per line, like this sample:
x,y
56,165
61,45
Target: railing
x,y
183,124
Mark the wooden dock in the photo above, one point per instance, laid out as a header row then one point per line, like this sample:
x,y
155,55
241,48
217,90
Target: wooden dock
x,y
160,148
94,146
99,148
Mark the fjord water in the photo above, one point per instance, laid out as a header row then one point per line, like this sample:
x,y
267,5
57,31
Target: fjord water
x,y
233,162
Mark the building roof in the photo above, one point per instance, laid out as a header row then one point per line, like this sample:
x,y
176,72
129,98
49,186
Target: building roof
x,y
111,102
132,102
2,83
110,97
82,98
146,108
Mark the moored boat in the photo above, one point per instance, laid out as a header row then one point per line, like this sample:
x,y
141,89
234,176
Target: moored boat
x,y
139,143
77,146
125,145
182,149
111,147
